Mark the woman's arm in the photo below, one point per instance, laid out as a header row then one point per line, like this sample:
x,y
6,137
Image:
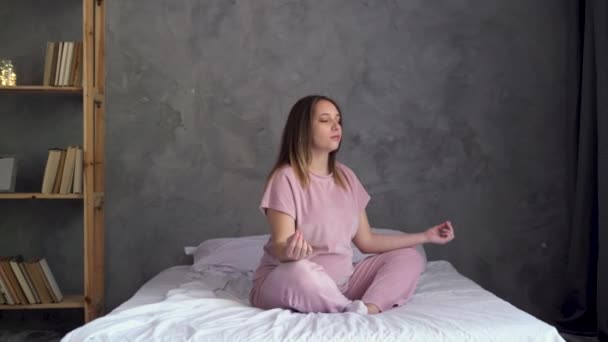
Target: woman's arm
x,y
368,242
288,244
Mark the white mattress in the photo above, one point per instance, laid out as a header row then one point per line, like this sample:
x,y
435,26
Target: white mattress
x,y
181,305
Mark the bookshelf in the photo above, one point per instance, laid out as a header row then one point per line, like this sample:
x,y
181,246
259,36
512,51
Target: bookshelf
x,y
40,89
68,302
93,111
35,195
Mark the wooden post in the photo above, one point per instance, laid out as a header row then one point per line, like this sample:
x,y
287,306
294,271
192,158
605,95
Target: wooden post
x,y
93,121
99,113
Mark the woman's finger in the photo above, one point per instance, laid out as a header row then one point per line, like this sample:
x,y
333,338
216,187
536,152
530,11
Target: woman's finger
x,y
305,249
302,251
298,250
309,250
450,226
291,245
449,229
297,244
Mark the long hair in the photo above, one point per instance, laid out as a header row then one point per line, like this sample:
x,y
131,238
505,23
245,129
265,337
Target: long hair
x,y
296,142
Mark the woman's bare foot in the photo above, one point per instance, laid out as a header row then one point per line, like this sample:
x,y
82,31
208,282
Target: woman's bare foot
x,y
372,308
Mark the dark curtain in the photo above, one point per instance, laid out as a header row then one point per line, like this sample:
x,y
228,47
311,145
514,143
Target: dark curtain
x,y
584,308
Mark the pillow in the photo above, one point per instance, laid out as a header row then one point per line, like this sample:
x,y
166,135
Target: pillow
x,y
244,253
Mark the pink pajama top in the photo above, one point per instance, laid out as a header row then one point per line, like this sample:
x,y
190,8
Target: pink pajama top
x,y
326,214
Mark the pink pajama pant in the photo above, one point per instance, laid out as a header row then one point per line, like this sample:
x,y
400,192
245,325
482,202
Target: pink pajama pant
x,y
386,280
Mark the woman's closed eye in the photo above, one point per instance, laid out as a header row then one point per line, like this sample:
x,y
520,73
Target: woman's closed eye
x,y
339,121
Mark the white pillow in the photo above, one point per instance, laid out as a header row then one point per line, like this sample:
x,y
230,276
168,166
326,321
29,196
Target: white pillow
x,y
244,253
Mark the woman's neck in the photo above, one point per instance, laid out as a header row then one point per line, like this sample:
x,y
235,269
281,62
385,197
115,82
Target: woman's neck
x,y
319,163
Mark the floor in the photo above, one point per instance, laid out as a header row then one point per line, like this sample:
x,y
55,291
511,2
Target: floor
x,y
30,336
47,326
572,338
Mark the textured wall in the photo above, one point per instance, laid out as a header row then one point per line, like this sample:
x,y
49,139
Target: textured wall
x,y
452,109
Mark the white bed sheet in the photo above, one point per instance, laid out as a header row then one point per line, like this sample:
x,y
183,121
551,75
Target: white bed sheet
x,y
155,289
181,305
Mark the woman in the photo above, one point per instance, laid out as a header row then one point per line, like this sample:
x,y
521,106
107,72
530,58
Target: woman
x,y
315,207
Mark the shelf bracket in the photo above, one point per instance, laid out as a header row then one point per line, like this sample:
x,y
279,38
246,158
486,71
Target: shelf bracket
x,y
98,200
98,100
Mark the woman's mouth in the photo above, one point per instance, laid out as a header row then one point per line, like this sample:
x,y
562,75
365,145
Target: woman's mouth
x,y
336,137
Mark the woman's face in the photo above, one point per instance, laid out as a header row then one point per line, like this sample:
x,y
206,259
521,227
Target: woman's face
x,y
326,127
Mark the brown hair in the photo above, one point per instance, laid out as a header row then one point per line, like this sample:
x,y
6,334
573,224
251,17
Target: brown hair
x,y
297,140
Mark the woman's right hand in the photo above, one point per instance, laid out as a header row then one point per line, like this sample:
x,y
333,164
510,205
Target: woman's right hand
x,y
297,248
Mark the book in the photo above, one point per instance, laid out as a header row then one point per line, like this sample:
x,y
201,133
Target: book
x,y
8,286
58,63
28,280
77,63
64,60
54,63
79,70
5,290
68,64
45,281
78,171
48,60
37,278
64,52
48,275
67,178
14,262
12,280
59,173
50,170
8,173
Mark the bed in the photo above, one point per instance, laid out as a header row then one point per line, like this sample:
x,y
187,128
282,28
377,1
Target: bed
x,y
208,301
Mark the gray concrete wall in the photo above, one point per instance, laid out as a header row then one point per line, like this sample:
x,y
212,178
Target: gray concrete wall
x,y
453,110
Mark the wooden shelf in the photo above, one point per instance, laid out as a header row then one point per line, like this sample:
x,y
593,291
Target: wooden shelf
x,y
93,122
40,89
35,195
68,302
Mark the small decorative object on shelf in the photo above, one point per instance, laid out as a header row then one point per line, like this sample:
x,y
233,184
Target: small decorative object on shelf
x,y
8,77
8,173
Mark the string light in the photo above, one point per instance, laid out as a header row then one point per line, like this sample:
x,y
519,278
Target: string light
x,y
7,73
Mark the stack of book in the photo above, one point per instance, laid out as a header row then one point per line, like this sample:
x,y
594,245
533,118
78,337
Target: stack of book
x,y
63,171
63,64
27,282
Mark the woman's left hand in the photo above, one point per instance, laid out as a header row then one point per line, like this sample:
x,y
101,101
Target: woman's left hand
x,y
440,234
